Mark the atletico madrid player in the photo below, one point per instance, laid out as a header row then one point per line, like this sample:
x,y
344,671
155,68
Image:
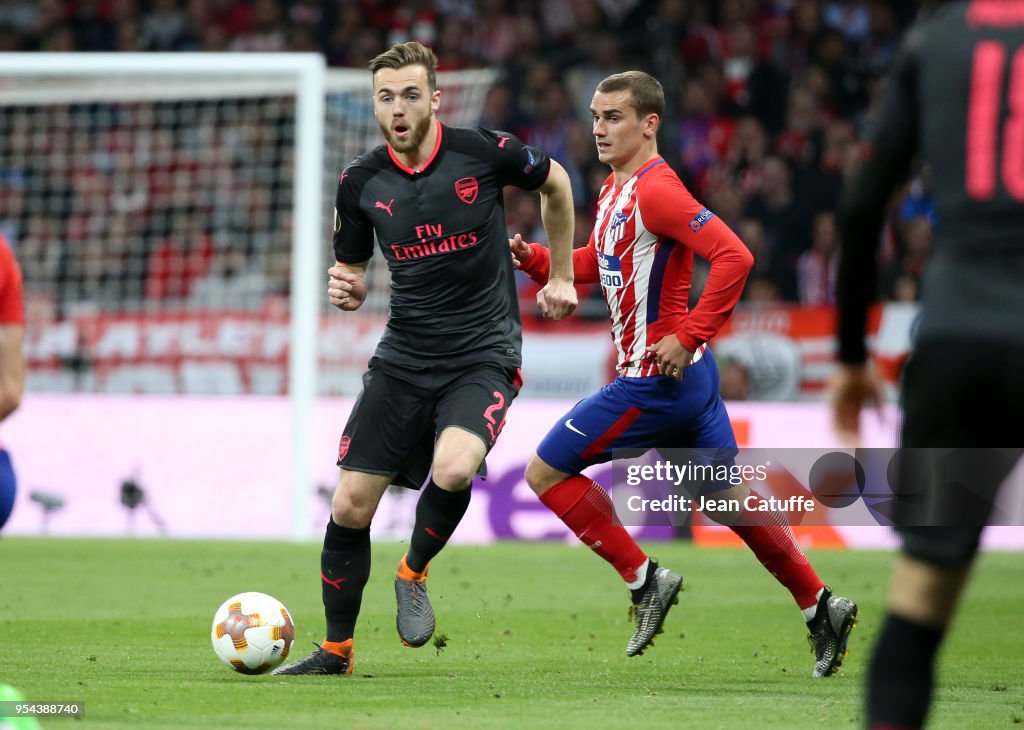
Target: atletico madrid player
x,y
641,250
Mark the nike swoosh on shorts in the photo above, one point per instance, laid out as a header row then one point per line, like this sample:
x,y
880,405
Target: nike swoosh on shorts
x,y
568,425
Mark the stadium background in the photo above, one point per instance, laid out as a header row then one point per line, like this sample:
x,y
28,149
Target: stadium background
x,y
155,241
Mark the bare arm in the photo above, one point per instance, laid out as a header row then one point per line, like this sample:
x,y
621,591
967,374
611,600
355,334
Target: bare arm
x,y
557,213
346,287
12,368
558,298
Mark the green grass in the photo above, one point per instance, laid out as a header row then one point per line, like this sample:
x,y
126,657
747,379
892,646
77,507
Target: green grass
x,y
536,638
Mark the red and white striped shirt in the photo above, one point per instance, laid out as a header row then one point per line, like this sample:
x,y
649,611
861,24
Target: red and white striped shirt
x,y
641,250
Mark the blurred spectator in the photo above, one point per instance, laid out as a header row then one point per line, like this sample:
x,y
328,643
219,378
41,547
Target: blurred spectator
x,y
901,278
164,26
845,75
849,17
59,38
801,139
499,111
793,46
904,289
739,44
493,35
917,203
816,268
578,162
751,232
550,129
266,33
179,261
786,220
93,27
451,53
603,58
836,157
883,38
703,136
25,18
128,37
747,151
761,291
10,41
413,20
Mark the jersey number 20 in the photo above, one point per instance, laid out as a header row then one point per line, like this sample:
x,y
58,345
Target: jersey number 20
x,y
983,115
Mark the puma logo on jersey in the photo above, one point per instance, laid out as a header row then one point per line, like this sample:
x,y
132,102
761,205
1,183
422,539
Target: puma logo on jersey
x,y
502,141
387,207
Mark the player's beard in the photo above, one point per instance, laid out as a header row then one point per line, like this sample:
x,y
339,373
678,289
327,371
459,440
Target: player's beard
x,y
415,138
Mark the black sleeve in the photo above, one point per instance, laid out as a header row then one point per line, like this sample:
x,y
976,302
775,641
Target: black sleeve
x,y
517,164
890,146
353,232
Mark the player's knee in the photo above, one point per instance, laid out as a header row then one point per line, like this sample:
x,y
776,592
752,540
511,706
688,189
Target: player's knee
x,y
540,476
347,510
453,475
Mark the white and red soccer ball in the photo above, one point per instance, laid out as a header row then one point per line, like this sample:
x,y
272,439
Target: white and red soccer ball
x,y
252,632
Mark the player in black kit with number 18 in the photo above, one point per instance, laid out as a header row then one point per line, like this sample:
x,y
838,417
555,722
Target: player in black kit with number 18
x,y
955,101
437,390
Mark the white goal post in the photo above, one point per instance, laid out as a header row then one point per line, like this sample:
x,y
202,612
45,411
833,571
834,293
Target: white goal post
x,y
58,115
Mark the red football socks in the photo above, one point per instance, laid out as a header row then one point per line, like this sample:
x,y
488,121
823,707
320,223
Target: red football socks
x,y
586,509
770,537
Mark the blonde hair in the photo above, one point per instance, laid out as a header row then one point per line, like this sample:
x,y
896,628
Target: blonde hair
x,y
412,53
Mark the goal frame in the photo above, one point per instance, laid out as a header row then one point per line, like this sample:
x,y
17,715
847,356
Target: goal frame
x,y
305,73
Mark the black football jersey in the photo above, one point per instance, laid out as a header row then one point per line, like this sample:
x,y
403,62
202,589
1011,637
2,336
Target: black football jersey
x,y
441,229
954,99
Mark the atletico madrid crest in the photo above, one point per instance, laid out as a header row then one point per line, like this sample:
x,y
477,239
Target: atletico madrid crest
x,y
467,189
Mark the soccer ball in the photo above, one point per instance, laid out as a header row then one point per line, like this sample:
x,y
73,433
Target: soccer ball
x,y
252,632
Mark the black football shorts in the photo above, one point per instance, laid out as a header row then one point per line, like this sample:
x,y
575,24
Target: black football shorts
x,y
965,396
400,413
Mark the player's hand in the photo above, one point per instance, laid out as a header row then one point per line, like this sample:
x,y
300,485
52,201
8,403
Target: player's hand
x,y
520,250
345,289
853,386
671,356
557,299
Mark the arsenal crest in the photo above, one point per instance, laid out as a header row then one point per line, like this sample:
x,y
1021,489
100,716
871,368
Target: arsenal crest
x,y
343,445
467,189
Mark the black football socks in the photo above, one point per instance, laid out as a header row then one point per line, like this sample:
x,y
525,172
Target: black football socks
x,y
344,570
902,674
438,513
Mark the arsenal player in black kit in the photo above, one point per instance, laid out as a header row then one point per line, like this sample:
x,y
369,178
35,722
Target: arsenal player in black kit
x,y
437,390
955,101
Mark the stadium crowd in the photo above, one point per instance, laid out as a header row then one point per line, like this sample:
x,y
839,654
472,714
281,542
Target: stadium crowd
x,y
765,99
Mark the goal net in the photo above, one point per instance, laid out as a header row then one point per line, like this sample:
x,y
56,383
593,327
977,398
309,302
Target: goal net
x,y
159,207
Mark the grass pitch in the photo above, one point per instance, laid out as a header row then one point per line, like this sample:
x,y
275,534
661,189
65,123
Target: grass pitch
x,y
536,637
